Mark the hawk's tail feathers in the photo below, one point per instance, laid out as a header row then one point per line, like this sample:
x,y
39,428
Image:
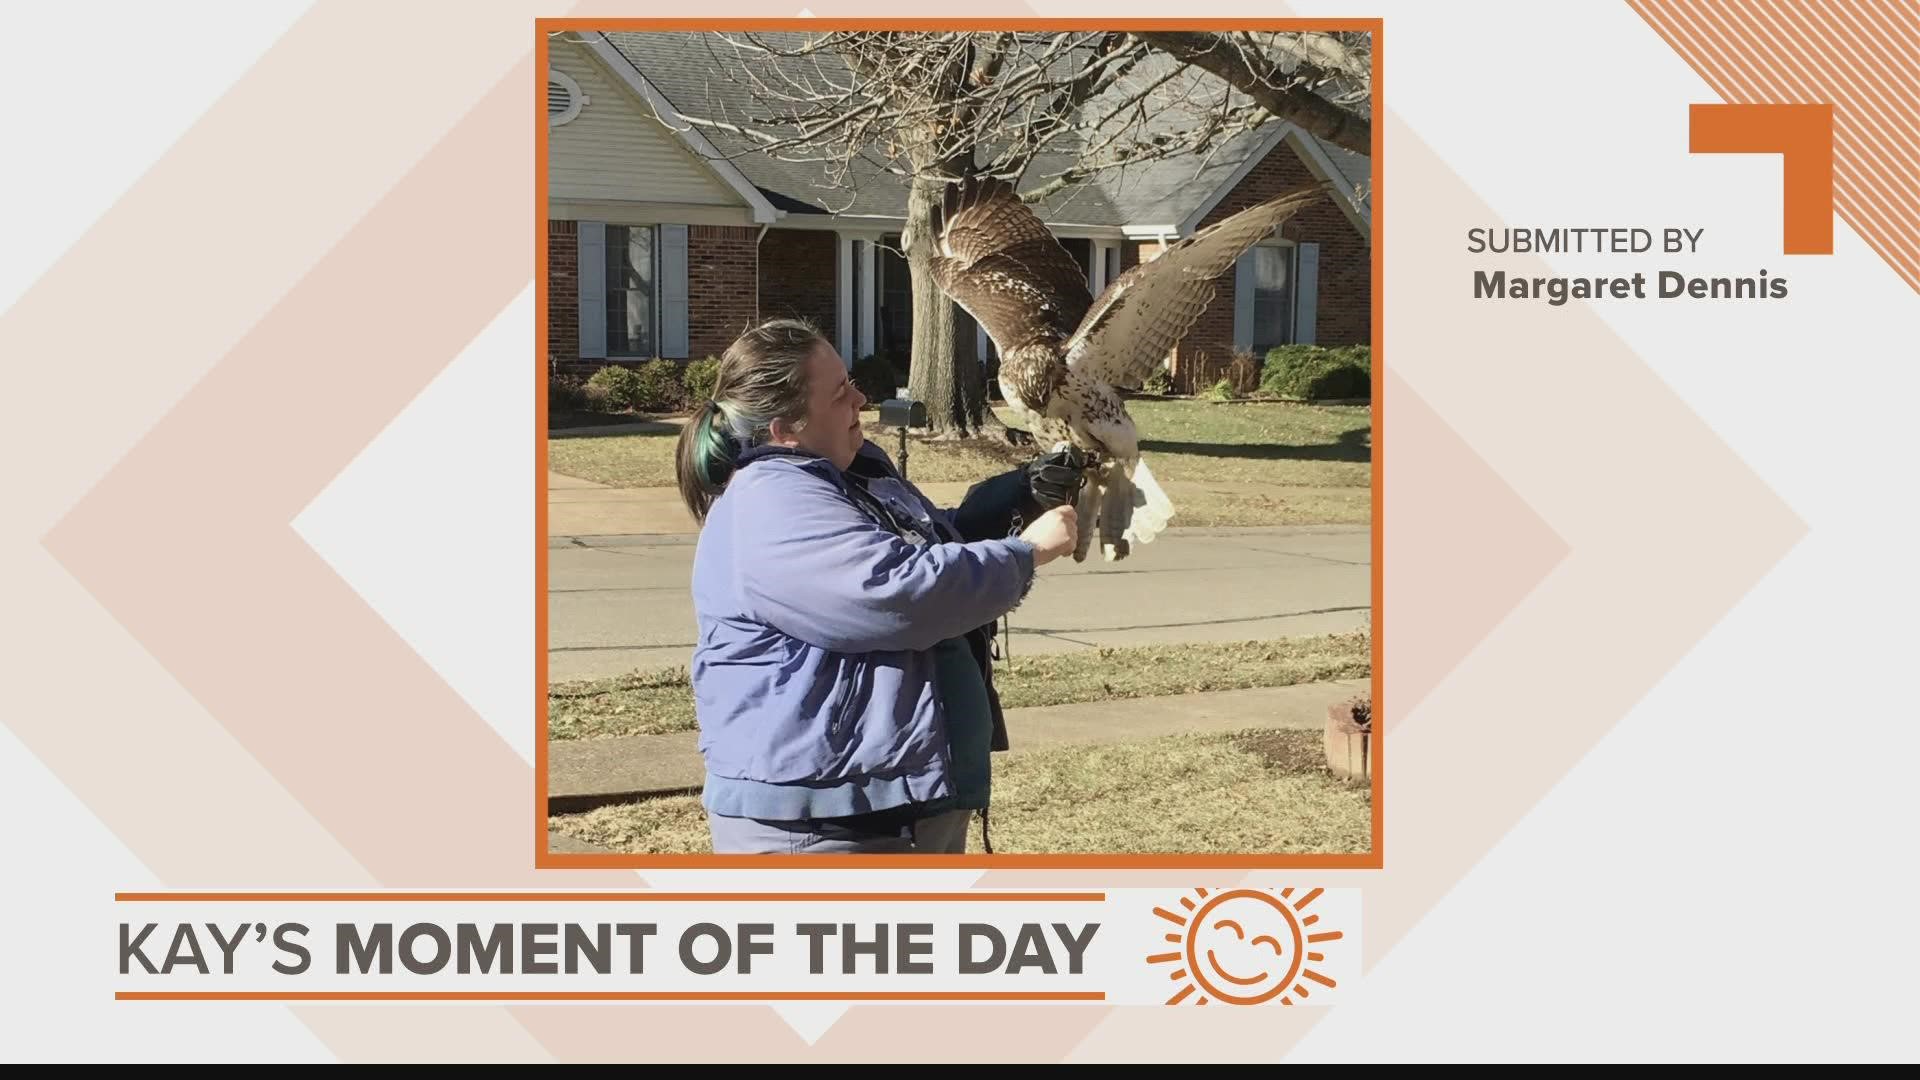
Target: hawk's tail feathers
x,y
1118,497
1087,513
971,191
1152,510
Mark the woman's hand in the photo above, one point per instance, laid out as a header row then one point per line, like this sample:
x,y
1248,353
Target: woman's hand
x,y
1054,535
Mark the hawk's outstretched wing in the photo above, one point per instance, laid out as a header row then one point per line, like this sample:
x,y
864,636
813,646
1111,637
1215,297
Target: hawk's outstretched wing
x,y
999,262
1148,309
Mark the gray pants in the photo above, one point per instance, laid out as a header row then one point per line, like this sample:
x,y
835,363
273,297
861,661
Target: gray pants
x,y
942,834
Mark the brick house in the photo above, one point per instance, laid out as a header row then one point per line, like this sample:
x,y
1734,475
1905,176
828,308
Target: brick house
x,y
667,238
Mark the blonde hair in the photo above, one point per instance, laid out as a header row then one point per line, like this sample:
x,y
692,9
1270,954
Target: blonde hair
x,y
763,378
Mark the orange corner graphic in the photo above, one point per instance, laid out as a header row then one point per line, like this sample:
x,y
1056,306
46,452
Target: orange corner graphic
x,y
1803,137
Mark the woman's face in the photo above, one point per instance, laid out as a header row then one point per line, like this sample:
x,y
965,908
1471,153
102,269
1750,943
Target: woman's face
x,y
832,427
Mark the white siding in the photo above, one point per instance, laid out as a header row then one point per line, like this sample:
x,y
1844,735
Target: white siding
x,y
615,149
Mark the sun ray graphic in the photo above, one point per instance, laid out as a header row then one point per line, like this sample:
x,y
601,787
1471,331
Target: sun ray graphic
x,y
1244,947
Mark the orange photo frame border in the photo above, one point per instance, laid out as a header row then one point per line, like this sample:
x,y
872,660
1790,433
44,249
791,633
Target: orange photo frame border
x,y
551,860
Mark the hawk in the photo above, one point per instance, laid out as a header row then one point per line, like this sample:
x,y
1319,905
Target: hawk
x,y
1064,356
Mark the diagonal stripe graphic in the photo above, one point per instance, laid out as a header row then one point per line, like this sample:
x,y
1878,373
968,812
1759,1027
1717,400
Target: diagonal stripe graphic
x,y
1863,59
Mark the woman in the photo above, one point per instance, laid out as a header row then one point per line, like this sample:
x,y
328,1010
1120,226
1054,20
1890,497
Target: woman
x,y
842,676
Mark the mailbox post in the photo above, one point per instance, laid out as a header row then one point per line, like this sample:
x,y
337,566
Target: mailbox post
x,y
905,414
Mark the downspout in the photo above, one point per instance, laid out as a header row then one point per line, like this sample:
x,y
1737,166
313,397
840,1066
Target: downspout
x,y
756,270
778,214
1173,369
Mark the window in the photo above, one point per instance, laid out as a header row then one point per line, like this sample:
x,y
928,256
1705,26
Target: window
x,y
1273,276
564,99
633,294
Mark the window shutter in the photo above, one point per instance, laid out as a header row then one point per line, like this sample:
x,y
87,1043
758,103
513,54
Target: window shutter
x,y
591,273
673,291
1306,294
1243,275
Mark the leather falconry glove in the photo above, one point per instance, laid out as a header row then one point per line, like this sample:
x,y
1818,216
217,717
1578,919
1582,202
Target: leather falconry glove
x,y
1056,478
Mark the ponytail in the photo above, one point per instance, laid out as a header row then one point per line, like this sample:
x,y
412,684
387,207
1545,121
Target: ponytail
x,y
703,461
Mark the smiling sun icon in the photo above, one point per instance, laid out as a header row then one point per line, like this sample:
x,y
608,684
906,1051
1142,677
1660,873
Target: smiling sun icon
x,y
1244,947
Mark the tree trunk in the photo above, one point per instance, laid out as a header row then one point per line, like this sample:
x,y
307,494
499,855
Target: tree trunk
x,y
946,372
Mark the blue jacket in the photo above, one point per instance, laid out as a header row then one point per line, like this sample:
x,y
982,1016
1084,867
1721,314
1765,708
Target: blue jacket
x,y
821,597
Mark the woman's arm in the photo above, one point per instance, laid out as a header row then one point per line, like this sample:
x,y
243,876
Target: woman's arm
x,y
989,506
1032,489
812,565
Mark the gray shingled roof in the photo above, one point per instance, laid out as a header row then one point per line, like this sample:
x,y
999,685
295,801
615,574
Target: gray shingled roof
x,y
682,67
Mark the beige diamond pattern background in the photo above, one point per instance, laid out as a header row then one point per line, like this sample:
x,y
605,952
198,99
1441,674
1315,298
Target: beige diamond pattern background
x,y
1508,552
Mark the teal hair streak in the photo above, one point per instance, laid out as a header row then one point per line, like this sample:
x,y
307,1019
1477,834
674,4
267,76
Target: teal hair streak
x,y
716,450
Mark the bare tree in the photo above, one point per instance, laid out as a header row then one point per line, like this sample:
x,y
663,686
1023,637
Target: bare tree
x,y
1048,110
1321,81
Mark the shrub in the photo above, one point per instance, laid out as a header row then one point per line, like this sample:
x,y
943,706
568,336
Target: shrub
x,y
1159,382
1360,356
614,387
700,378
595,397
660,388
1318,373
566,391
874,377
1220,391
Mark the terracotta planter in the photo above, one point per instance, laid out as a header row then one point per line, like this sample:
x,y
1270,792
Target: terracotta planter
x,y
1350,739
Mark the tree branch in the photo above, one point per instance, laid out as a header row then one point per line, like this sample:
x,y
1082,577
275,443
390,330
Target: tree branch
x,y
1266,84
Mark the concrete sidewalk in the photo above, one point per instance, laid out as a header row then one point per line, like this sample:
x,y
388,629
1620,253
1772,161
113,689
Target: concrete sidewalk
x,y
578,507
584,773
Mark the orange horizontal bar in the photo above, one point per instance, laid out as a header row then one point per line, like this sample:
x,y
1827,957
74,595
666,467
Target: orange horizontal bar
x,y
608,995
611,897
